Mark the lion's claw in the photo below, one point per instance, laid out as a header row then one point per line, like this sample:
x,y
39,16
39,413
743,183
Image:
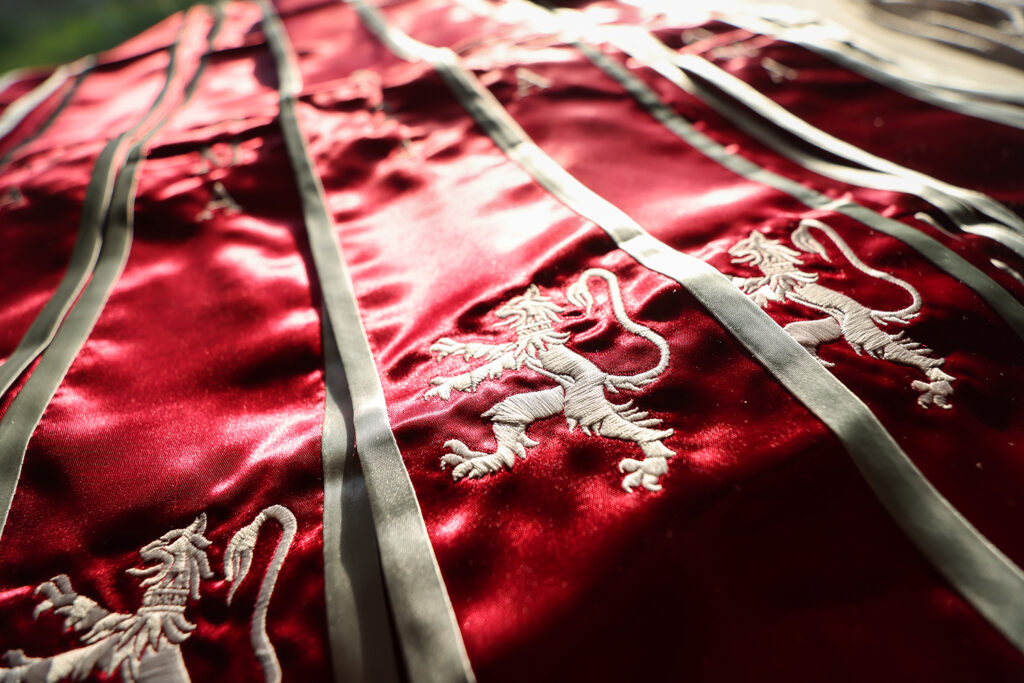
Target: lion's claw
x,y
934,394
57,593
451,459
642,473
466,463
461,467
473,468
466,469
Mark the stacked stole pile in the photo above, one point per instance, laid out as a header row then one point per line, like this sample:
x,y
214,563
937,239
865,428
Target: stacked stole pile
x,y
444,341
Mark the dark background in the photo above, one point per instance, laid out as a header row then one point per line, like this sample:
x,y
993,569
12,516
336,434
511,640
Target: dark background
x,y
38,32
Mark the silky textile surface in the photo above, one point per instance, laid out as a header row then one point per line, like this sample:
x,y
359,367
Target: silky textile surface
x,y
327,359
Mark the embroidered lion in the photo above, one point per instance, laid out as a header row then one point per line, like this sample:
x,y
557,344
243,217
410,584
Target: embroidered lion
x,y
146,646
781,280
579,394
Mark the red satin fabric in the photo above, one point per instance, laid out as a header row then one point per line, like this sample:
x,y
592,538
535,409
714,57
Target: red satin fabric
x,y
46,181
201,387
765,557
960,149
701,208
970,152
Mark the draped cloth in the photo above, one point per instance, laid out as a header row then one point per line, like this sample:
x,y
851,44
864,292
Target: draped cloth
x,y
479,341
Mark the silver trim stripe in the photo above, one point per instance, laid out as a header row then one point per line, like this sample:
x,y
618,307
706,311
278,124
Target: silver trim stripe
x,y
1001,301
866,51
979,571
358,618
950,198
86,250
80,266
967,208
27,408
45,125
428,631
26,104
643,47
837,46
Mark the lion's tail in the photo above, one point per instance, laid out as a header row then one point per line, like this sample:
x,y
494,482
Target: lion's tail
x,y
238,559
579,295
802,239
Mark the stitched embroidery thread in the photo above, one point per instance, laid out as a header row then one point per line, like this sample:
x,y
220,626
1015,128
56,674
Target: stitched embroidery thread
x,y
781,280
146,646
579,394
527,81
219,199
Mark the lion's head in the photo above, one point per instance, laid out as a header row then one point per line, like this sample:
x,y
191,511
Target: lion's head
x,y
179,558
529,309
761,252
532,315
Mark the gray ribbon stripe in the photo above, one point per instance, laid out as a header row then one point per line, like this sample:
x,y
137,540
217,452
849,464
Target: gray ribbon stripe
x,y
358,619
72,89
1001,301
27,408
428,632
985,577
88,241
16,112
965,207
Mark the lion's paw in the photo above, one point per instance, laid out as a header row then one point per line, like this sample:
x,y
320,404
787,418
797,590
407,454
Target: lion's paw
x,y
475,468
460,465
459,452
935,393
57,595
451,460
642,473
470,469
466,463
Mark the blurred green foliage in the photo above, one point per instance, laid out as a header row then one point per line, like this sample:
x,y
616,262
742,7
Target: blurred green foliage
x,y
37,32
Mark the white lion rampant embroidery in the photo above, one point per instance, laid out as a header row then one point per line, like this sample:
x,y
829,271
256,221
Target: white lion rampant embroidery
x,y
146,646
579,394
781,280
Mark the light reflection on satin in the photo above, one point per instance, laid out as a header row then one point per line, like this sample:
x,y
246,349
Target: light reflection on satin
x,y
201,388
744,518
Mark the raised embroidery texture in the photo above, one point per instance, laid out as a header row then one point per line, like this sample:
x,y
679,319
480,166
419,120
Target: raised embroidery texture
x,y
782,280
146,645
579,394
